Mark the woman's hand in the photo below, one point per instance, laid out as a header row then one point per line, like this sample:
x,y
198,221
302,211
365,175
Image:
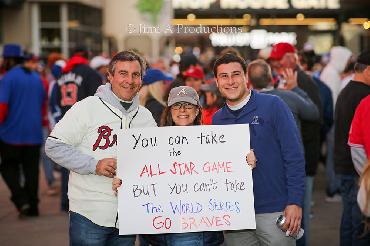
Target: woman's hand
x,y
116,183
251,159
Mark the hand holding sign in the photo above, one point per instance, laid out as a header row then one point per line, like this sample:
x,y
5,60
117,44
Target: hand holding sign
x,y
106,167
251,159
116,183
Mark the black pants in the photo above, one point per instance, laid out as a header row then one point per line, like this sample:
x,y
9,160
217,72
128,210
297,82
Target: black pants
x,y
14,159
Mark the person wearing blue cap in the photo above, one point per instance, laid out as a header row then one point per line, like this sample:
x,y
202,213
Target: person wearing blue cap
x,y
151,94
12,56
22,95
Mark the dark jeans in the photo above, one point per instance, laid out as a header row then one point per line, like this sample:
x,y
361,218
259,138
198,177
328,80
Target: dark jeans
x,y
351,225
64,202
15,158
82,231
208,238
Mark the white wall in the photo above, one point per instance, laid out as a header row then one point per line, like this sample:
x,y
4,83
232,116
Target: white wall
x,y
118,15
16,25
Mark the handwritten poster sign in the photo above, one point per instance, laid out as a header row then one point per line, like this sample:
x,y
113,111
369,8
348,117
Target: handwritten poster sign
x,y
184,179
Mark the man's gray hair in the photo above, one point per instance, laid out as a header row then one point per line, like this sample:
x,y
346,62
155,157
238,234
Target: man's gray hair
x,y
127,55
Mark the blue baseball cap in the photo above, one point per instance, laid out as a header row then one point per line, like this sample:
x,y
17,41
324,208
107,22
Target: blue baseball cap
x,y
12,50
152,75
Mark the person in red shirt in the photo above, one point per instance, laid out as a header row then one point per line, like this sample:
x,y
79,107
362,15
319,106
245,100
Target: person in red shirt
x,y
359,135
194,77
213,102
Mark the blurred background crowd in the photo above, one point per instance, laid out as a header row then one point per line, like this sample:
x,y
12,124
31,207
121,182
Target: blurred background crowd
x,y
307,52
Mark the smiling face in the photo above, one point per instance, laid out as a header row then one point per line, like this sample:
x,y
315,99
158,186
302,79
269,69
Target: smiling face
x,y
184,113
231,81
126,79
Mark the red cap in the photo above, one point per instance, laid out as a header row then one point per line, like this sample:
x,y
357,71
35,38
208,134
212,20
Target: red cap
x,y
194,72
280,49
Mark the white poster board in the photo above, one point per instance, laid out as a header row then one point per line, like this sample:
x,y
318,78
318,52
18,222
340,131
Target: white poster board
x,y
184,179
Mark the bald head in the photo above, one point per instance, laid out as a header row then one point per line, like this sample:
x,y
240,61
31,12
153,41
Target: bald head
x,y
259,74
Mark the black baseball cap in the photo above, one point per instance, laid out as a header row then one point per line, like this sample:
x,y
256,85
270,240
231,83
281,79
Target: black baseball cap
x,y
364,58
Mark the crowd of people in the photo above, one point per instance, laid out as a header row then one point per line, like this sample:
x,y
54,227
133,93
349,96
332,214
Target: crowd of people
x,y
302,109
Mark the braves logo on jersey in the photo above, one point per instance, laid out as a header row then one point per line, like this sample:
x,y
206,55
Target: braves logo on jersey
x,y
105,138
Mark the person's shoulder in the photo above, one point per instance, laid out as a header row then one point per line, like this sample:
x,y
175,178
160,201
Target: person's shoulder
x,y
265,98
144,111
279,92
88,102
82,66
153,103
274,102
306,80
291,94
366,101
354,88
7,76
327,71
89,106
84,69
324,87
364,104
37,76
145,117
219,113
15,71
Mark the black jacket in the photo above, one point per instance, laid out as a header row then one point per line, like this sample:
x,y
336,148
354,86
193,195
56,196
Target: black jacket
x,y
345,108
76,84
155,108
310,129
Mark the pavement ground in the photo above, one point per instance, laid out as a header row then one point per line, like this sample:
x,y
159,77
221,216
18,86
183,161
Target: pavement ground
x,y
51,227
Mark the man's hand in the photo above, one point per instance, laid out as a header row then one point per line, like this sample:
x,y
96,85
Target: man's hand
x,y
106,167
251,159
293,217
291,78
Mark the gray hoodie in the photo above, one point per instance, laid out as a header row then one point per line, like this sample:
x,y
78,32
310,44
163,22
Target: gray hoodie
x,y
330,75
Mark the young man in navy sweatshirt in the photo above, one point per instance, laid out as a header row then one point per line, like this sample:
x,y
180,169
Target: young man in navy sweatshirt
x,y
279,176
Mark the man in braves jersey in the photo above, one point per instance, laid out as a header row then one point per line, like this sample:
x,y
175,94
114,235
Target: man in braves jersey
x,y
85,142
78,81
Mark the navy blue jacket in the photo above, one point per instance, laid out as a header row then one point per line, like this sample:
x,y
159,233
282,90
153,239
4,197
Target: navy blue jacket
x,y
278,179
327,104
